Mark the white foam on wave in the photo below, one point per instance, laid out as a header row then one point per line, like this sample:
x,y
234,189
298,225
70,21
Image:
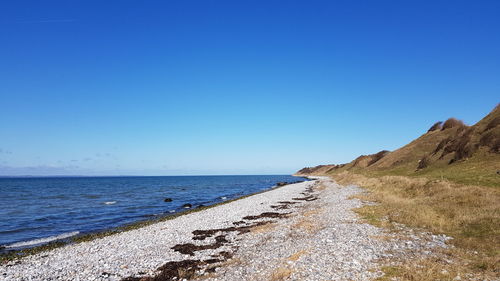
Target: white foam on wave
x,y
41,240
109,202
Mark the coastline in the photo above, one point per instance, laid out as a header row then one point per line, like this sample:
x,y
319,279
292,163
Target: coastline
x,y
214,242
8,255
134,230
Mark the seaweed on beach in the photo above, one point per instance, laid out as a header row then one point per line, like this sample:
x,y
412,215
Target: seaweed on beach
x,y
203,234
185,269
224,254
267,215
283,205
174,270
190,248
189,269
287,202
307,198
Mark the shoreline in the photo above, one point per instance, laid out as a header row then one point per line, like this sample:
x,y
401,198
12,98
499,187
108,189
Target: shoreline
x,y
291,231
105,240
18,253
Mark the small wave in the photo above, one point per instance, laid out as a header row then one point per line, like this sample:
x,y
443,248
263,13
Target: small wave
x,y
223,198
172,211
109,202
41,240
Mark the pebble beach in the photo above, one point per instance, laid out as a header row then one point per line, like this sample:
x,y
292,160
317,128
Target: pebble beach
x,y
301,231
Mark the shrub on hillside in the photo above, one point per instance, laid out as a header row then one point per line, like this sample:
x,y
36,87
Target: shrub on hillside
x,y
450,147
441,145
435,127
460,145
464,152
452,123
491,140
423,163
463,146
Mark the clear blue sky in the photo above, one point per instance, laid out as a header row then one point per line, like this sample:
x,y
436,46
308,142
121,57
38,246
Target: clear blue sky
x,y
234,87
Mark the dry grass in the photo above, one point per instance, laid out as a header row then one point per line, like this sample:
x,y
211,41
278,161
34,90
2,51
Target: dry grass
x,y
284,271
263,228
227,263
281,273
382,237
470,214
297,255
307,223
313,212
442,266
320,187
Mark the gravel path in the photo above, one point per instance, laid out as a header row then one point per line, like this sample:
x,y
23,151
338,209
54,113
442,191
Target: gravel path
x,y
304,231
323,241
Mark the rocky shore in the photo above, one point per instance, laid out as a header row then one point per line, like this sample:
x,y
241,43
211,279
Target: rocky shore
x,y
301,231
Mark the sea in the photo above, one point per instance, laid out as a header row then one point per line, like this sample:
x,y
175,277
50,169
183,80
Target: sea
x,y
36,211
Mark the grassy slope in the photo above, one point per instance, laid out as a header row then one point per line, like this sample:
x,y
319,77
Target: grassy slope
x,y
478,159
479,169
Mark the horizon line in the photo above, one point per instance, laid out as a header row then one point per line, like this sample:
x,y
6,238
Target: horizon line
x,y
109,176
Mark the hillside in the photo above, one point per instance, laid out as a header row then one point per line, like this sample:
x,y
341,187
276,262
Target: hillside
x,y
450,149
442,182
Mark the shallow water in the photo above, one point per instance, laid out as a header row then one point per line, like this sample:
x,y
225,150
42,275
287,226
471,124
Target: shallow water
x,y
37,210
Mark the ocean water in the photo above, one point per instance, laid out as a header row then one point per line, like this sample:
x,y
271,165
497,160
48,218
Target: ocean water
x,y
34,211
